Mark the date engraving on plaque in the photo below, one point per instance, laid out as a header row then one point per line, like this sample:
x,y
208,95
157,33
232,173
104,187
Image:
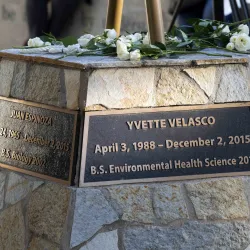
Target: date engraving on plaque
x,y
166,144
36,139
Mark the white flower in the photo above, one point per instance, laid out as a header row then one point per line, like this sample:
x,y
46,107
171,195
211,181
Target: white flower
x,y
109,41
134,37
35,42
243,28
83,40
174,39
230,46
125,40
47,44
122,50
135,55
233,38
242,42
72,49
146,39
111,33
225,30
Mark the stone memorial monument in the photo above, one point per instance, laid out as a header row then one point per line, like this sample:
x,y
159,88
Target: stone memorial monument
x,y
98,153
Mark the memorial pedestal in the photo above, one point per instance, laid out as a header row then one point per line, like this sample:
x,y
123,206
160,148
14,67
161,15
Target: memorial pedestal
x,y
209,213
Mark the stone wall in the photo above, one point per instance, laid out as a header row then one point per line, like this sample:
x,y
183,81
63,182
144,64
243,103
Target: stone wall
x,y
182,215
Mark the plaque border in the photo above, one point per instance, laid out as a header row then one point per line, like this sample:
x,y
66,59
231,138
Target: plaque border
x,y
53,108
88,114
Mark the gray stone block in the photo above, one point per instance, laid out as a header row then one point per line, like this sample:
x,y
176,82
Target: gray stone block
x,y
192,235
2,183
92,211
6,75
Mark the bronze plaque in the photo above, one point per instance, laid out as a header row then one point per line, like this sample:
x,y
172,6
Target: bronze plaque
x,y
149,145
37,139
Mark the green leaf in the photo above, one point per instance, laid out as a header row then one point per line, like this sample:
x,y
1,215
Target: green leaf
x,y
92,44
184,44
160,45
69,40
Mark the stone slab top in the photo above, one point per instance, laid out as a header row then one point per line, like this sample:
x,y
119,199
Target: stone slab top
x,y
88,62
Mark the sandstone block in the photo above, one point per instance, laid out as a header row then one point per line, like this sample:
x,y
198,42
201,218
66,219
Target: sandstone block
x,y
92,211
43,84
121,88
12,231
175,88
234,84
103,241
6,76
72,84
134,201
219,199
42,244
47,211
168,203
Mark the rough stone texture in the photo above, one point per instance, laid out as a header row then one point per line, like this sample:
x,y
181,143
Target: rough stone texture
x,y
92,211
42,244
193,235
168,203
134,201
2,182
37,184
219,199
47,211
72,84
19,80
41,79
175,88
6,75
205,78
103,241
17,188
12,231
234,84
121,88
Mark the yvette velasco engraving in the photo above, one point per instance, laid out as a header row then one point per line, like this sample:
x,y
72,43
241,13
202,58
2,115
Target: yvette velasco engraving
x,y
37,139
158,144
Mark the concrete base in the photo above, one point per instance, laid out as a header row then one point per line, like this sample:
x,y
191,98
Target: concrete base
x,y
197,214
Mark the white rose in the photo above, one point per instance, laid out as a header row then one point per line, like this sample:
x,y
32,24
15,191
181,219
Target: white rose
x,y
122,50
47,44
83,40
134,37
230,46
72,49
125,40
243,28
109,41
233,38
225,30
135,55
242,42
35,42
146,39
174,39
111,33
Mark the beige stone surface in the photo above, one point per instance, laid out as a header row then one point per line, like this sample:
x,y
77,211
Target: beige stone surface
x,y
234,83
72,84
121,88
168,203
17,188
6,76
219,199
175,88
205,78
42,244
12,231
134,201
47,211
